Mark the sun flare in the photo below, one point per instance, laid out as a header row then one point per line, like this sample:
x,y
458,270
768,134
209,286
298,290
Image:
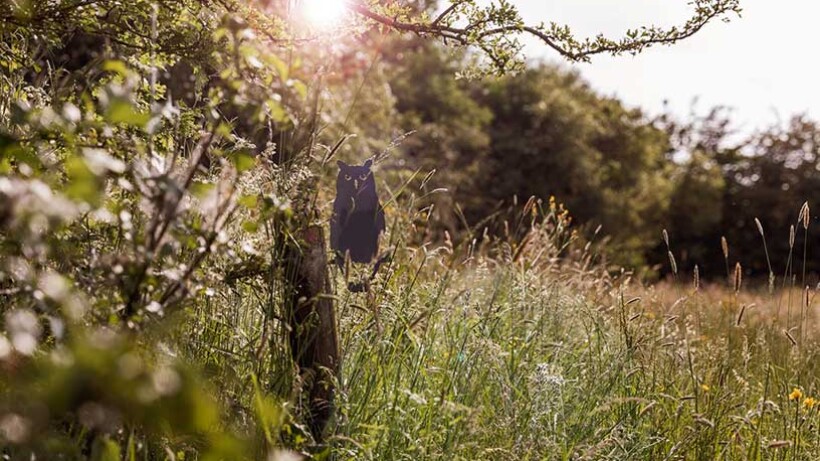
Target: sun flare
x,y
324,13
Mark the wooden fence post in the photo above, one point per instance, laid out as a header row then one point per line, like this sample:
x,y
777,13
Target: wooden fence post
x,y
314,342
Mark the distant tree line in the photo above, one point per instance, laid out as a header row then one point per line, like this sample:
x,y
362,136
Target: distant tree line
x,y
545,132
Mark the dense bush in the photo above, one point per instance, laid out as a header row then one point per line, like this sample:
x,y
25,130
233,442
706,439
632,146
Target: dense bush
x,y
121,203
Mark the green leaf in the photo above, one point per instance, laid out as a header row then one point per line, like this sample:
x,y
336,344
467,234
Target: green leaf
x,y
224,129
250,226
300,87
242,160
122,111
117,66
105,449
83,185
278,64
11,149
200,189
277,112
249,201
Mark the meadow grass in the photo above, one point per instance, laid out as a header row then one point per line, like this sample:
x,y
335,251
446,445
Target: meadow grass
x,y
521,348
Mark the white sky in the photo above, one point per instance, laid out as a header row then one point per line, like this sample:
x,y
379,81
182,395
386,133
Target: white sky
x,y
764,64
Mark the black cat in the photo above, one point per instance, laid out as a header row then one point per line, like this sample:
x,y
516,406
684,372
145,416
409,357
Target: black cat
x,y
358,217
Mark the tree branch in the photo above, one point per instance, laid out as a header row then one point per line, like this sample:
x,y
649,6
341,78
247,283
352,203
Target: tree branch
x,y
483,25
446,13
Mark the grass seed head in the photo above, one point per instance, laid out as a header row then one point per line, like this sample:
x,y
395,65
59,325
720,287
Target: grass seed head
x,y
738,279
791,236
673,263
805,215
759,227
725,246
806,297
530,207
740,315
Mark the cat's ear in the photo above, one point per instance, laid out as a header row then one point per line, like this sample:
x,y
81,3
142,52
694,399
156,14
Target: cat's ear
x,y
342,165
368,163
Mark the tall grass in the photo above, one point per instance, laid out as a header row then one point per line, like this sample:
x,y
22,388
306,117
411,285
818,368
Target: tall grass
x,y
519,348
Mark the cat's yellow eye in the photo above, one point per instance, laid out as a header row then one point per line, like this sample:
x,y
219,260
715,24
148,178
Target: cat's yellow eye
x,y
363,177
347,177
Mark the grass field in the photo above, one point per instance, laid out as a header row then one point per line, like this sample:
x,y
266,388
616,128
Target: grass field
x,y
503,351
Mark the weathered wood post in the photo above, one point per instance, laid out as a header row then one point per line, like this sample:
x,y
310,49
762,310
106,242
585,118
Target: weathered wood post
x,y
313,337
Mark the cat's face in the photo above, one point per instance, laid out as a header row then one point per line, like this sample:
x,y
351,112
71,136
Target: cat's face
x,y
354,179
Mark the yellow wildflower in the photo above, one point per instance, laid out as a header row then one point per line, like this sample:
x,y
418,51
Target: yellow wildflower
x,y
705,387
796,394
809,403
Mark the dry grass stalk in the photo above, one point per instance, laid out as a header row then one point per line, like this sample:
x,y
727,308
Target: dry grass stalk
x,y
673,263
791,338
740,315
779,444
806,297
791,236
530,206
738,279
759,227
805,215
